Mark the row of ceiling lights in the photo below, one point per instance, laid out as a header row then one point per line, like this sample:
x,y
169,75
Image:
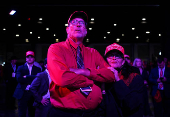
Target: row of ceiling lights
x,y
87,40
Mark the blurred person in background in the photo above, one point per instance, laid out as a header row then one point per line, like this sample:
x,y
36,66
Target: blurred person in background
x,y
143,72
25,75
11,82
160,90
40,89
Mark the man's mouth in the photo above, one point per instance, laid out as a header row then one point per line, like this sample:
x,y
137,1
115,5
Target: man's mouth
x,y
77,30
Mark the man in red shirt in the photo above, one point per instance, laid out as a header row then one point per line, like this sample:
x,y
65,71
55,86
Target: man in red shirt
x,y
68,80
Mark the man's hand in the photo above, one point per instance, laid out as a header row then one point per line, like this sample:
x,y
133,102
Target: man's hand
x,y
164,79
84,72
44,102
145,82
158,80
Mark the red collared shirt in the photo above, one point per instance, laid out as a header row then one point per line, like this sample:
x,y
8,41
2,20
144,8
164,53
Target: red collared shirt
x,y
65,85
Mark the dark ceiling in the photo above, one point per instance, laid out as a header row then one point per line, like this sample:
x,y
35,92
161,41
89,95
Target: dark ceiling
x,y
55,16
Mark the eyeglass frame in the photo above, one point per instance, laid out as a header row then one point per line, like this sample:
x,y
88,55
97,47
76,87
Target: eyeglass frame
x,y
78,22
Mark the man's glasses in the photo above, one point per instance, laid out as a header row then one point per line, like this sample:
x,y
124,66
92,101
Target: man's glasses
x,y
75,22
29,56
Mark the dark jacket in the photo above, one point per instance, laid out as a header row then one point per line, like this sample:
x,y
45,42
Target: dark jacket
x,y
39,87
8,70
123,100
154,75
23,82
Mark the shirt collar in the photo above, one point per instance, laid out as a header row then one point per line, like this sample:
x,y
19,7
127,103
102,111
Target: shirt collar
x,y
162,68
69,40
47,71
29,65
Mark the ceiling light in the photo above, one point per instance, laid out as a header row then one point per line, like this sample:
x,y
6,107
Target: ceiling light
x,y
90,28
54,35
30,32
147,32
26,40
19,24
91,22
92,19
115,24
87,40
40,19
133,28
143,19
137,37
159,34
38,37
117,40
108,32
47,28
12,12
17,35
123,35
66,24
104,37
57,40
160,53
4,28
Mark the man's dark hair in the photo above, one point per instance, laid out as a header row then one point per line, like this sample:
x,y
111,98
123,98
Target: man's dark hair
x,y
160,59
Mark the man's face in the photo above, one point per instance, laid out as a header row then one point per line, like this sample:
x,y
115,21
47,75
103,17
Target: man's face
x,y
161,65
30,59
76,28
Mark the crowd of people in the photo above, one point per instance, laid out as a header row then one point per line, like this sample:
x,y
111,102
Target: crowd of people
x,y
76,81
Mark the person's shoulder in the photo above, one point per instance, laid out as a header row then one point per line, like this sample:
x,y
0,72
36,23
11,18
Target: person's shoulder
x,y
23,65
91,49
154,69
62,43
41,73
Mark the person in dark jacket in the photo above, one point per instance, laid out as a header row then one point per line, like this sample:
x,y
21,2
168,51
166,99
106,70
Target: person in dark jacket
x,y
11,82
40,89
25,75
124,97
159,79
145,75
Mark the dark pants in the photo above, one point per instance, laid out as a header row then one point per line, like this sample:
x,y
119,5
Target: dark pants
x,y
10,88
56,112
162,109
26,103
42,111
